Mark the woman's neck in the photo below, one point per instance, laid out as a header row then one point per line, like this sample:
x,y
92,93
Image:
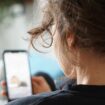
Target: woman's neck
x,y
92,71
91,79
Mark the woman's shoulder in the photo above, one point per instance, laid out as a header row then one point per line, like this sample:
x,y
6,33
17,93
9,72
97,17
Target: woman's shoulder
x,y
52,98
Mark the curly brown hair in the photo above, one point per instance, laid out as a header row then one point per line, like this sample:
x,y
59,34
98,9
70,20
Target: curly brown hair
x,y
84,18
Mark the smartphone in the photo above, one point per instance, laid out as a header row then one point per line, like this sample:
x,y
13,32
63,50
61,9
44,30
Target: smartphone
x,y
17,73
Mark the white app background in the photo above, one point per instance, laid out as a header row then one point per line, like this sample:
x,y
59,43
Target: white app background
x,y
18,76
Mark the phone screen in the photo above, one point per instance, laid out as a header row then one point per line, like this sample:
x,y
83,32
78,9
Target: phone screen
x,y
17,75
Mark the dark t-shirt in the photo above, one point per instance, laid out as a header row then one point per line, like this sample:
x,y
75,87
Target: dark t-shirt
x,y
75,95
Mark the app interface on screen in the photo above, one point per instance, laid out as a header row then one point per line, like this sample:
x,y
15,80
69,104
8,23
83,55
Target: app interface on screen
x,y
18,75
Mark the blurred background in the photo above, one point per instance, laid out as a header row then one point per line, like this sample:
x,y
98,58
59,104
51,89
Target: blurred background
x,y
16,18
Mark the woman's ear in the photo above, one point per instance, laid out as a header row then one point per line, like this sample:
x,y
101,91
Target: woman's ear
x,y
70,40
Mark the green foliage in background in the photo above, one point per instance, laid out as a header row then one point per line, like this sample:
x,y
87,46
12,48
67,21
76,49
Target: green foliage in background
x,y
4,6
6,3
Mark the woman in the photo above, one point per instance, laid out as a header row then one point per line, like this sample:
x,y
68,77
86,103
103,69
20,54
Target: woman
x,y
79,40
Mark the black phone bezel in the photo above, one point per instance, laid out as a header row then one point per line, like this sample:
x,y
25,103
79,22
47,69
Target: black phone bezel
x,y
15,51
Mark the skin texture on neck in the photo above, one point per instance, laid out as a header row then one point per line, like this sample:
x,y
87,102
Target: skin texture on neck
x,y
89,67
92,70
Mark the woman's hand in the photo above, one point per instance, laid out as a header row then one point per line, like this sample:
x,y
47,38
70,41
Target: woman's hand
x,y
3,86
40,85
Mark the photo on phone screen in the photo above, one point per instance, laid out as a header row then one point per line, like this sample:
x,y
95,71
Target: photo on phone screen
x,y
17,74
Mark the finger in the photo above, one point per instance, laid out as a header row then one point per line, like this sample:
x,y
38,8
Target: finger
x,y
38,79
35,80
3,84
35,87
35,84
3,93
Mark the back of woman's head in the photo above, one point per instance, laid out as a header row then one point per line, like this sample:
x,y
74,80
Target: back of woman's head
x,y
84,20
